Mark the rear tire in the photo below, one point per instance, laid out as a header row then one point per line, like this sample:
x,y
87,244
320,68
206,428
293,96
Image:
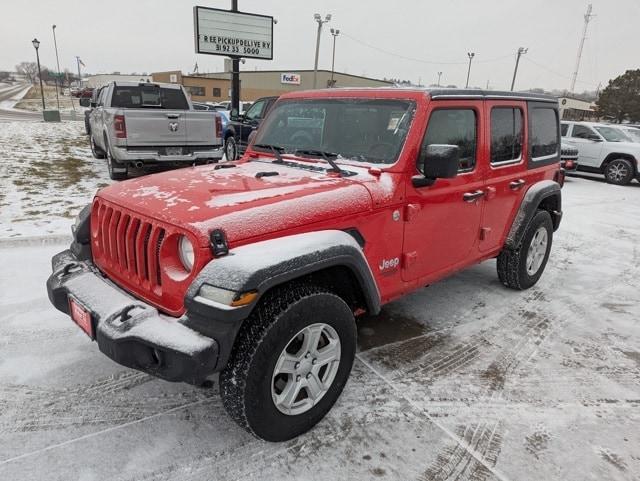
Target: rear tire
x,y
111,164
279,381
96,151
619,172
521,268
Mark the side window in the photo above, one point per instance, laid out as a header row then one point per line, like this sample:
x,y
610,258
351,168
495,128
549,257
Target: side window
x,y
255,112
543,133
564,128
454,127
582,132
507,134
216,92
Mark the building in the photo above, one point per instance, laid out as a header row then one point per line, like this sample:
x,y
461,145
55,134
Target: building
x,y
213,88
96,81
576,109
216,87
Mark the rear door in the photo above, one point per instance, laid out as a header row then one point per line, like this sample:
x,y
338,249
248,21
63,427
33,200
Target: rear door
x,y
443,220
506,179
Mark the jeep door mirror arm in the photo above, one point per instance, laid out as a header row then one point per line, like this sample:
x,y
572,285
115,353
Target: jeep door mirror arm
x,y
437,161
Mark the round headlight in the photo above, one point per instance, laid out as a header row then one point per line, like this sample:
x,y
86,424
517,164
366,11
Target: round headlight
x,y
185,251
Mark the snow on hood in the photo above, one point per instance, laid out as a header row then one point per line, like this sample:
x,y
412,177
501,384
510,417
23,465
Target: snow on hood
x,y
204,198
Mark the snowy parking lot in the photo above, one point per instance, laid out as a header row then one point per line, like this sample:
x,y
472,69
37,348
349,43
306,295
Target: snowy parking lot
x,y
462,380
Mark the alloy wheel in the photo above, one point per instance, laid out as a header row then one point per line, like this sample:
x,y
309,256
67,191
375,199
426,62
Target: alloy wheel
x,y
537,250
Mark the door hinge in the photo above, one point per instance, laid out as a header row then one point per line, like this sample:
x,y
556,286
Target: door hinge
x,y
409,258
485,232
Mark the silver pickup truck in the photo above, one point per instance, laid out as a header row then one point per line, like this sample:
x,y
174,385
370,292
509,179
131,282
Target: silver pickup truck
x,y
148,125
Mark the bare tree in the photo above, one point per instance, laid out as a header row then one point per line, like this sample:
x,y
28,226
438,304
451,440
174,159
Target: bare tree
x,y
29,70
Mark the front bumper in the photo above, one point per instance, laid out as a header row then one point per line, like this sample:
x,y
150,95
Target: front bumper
x,y
123,154
129,331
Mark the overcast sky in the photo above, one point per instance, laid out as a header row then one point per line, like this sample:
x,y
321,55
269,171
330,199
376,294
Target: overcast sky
x,y
381,38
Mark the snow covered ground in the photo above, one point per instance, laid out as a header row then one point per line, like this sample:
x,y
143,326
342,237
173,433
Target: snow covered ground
x,y
463,380
47,174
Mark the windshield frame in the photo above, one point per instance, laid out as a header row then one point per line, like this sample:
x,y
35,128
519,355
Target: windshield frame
x,y
411,110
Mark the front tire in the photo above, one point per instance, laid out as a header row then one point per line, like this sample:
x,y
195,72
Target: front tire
x,y
230,148
290,362
619,172
521,268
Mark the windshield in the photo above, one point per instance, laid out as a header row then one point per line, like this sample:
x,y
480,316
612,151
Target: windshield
x,y
612,134
364,130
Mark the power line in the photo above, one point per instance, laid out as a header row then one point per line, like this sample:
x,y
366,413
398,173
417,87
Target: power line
x,y
413,59
544,67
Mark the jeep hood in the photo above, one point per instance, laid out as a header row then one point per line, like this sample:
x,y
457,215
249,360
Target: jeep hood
x,y
252,199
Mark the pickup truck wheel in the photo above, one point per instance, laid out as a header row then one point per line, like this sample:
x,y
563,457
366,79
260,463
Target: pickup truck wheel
x,y
290,362
111,163
521,268
619,172
96,151
230,148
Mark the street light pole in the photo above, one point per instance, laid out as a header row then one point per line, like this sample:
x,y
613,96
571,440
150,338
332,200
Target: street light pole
x,y
470,55
521,51
55,43
79,75
439,75
36,45
335,33
318,18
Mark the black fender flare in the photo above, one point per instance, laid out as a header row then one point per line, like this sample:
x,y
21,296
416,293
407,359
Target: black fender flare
x,y
533,198
263,265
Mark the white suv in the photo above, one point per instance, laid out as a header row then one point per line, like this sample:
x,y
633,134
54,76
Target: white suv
x,y
603,149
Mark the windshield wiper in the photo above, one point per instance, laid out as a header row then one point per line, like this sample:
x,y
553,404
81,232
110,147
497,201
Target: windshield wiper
x,y
276,149
328,156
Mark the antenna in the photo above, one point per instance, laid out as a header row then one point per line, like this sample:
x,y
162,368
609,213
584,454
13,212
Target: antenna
x,y
588,16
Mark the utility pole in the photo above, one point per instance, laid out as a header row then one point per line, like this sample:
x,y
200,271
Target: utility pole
x,y
235,72
318,18
521,51
588,16
36,45
439,75
335,32
79,76
470,55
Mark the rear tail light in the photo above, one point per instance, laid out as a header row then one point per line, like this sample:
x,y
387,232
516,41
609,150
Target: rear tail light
x,y
218,126
120,126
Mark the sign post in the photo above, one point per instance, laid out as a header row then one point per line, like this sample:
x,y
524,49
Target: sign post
x,y
233,34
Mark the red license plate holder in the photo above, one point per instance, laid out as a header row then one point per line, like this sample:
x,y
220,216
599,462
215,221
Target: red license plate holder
x,y
81,316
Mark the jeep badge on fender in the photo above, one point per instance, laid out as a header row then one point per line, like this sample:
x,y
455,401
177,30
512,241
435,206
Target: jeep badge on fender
x,y
257,270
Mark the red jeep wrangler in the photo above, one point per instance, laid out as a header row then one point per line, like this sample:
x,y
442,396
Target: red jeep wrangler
x,y
345,201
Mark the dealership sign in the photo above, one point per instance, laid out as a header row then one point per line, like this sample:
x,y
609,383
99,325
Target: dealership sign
x,y
290,78
233,34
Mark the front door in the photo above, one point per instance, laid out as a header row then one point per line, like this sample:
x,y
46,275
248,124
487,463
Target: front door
x,y
589,144
442,221
251,121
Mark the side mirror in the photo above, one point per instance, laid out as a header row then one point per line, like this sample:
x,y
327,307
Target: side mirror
x,y
437,161
234,115
85,101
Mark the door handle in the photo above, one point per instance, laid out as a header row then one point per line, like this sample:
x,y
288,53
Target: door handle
x,y
173,116
516,184
472,196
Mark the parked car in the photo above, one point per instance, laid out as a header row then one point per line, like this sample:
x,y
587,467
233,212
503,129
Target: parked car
x,y
226,105
86,92
256,269
203,106
87,113
631,131
240,126
147,125
603,149
568,157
